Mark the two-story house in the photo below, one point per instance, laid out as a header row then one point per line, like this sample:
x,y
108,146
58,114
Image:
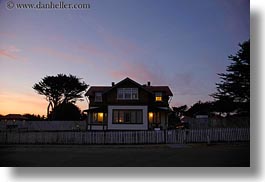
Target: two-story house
x,y
128,105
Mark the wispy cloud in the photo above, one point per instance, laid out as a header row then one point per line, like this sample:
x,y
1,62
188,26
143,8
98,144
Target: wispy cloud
x,y
137,71
11,52
7,54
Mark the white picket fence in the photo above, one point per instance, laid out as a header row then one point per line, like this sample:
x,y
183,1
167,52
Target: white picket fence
x,y
127,137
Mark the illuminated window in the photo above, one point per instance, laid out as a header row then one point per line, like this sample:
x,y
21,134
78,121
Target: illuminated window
x,y
151,117
158,96
98,117
98,97
154,117
128,116
127,93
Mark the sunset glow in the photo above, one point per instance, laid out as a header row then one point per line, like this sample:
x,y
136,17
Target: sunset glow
x,y
182,44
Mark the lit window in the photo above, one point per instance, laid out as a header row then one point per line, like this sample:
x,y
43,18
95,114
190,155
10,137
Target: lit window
x,y
98,117
127,93
98,97
128,116
158,96
151,117
154,117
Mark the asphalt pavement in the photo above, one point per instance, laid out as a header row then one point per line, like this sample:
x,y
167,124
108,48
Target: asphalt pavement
x,y
165,155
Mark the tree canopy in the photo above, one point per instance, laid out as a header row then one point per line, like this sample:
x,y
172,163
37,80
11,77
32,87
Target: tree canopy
x,y
179,111
234,87
66,112
60,89
200,108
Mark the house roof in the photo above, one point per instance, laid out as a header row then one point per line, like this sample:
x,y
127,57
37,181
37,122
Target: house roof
x,y
127,80
14,117
164,89
150,89
94,89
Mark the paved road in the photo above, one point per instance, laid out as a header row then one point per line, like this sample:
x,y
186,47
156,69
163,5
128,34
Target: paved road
x,y
193,155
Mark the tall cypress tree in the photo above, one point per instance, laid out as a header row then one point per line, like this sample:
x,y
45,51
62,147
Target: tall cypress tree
x,y
234,87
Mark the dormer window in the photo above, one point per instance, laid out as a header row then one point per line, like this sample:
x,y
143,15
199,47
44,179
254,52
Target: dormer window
x,y
98,97
127,93
158,96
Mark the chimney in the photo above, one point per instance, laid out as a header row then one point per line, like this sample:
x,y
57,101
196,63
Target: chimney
x,y
112,83
148,83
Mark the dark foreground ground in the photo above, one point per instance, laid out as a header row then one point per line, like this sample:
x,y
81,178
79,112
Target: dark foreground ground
x,y
175,155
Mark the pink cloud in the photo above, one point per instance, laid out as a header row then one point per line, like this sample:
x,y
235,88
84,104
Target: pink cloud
x,y
11,52
7,54
137,71
185,88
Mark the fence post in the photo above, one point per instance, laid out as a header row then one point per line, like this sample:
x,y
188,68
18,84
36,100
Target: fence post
x,y
165,136
104,137
6,138
208,140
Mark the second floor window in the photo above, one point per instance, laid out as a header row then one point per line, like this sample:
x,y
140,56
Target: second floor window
x,y
158,96
127,93
98,97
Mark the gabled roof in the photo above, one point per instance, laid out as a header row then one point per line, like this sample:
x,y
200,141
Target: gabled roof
x,y
94,89
164,89
150,89
127,80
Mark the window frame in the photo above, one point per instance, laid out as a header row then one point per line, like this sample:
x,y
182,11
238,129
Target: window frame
x,y
158,95
122,115
95,117
127,93
156,118
98,98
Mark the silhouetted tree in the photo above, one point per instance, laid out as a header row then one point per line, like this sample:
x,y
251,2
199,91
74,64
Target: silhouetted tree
x,y
60,89
66,112
234,86
200,108
175,115
224,106
179,111
173,120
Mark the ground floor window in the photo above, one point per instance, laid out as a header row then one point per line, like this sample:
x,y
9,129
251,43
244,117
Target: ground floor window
x,y
154,117
128,116
98,117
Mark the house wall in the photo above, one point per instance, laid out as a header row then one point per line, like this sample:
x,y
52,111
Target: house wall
x,y
144,97
163,120
97,127
143,126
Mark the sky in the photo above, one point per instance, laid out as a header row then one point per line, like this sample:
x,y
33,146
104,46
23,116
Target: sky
x,y
179,43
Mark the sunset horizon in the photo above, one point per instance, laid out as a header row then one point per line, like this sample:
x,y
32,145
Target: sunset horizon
x,y
181,44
